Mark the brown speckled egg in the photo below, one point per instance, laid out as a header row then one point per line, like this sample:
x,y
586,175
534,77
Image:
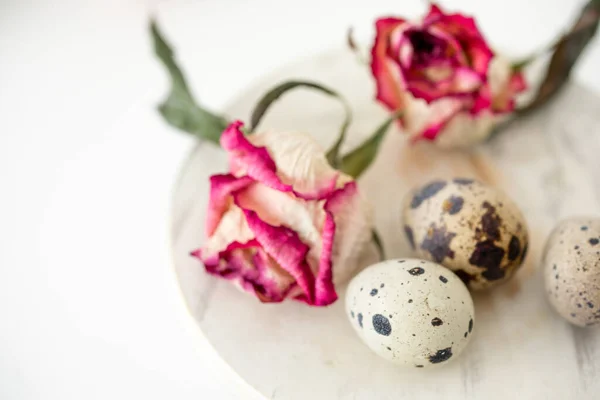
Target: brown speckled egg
x,y
572,270
468,227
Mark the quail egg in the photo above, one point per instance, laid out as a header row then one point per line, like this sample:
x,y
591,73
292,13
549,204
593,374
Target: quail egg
x,y
412,312
468,227
572,270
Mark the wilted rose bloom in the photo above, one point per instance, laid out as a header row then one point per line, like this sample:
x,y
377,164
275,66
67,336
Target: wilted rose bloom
x,y
443,75
283,223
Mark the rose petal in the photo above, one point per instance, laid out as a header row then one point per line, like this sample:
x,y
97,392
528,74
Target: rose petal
x,y
306,219
481,56
249,160
301,163
482,101
279,208
324,289
422,89
460,85
466,80
275,283
248,266
405,52
431,92
435,12
314,183
464,30
397,35
385,70
316,231
505,101
221,187
231,228
442,72
342,217
286,248
454,50
221,264
442,112
459,25
386,24
517,83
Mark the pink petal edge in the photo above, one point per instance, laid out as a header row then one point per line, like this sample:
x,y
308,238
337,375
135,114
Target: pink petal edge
x,y
516,85
324,289
257,163
236,265
286,248
435,12
386,72
250,160
221,188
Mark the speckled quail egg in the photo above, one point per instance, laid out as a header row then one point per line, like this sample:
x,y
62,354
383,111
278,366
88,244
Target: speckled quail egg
x,y
572,270
468,227
411,312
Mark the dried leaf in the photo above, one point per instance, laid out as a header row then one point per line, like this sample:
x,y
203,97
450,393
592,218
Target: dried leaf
x,y
359,159
180,109
566,53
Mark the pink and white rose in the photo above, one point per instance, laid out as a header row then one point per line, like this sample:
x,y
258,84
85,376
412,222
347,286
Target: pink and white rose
x,y
283,223
443,75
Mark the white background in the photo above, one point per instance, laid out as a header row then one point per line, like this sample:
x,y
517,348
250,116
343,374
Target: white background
x,y
89,307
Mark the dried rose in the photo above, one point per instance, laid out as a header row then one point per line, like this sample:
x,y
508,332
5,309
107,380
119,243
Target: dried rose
x,y
283,223
443,75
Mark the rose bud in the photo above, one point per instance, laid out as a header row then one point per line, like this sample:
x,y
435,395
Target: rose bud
x,y
283,223
443,75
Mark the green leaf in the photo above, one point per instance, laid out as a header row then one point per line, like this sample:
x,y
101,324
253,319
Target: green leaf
x,y
270,97
180,109
359,159
566,54
379,244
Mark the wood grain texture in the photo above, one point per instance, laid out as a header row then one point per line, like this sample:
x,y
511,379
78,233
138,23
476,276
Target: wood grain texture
x,y
548,163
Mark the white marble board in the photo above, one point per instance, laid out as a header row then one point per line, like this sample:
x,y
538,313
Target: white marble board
x,y
548,163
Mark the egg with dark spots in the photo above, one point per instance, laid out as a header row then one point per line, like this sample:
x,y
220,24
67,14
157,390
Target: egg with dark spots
x,y
468,227
572,270
410,321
